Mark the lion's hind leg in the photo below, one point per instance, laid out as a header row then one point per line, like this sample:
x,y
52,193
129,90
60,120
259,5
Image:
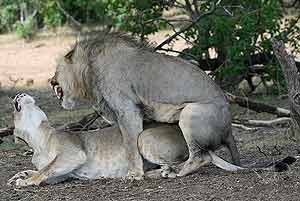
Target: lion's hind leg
x,y
194,163
204,127
231,146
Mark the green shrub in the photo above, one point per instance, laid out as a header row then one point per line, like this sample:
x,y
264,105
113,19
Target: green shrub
x,y
25,30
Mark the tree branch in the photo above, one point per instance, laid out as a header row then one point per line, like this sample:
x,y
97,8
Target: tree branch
x,y
77,25
168,40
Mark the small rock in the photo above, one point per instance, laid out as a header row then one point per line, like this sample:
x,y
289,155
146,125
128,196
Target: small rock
x,y
29,82
244,87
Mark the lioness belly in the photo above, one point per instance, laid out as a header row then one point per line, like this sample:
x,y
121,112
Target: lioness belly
x,y
105,155
160,144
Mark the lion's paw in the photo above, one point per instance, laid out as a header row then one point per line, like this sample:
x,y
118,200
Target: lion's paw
x,y
167,172
135,175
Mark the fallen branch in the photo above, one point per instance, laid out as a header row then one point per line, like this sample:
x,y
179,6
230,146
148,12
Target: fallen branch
x,y
246,128
256,106
6,131
264,123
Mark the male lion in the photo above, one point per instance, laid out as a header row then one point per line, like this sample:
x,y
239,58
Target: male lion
x,y
130,82
59,155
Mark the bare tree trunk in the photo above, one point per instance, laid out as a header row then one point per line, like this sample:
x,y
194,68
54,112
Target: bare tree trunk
x,y
292,77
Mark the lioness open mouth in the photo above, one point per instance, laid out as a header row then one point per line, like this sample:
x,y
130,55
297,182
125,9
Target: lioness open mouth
x,y
17,106
16,102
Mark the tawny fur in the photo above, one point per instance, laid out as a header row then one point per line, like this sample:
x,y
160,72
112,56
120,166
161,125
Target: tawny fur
x,y
128,82
60,155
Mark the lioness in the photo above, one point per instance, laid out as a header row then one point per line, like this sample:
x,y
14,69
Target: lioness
x,y
129,82
59,155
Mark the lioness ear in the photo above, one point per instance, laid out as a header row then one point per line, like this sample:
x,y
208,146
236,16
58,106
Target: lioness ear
x,y
68,57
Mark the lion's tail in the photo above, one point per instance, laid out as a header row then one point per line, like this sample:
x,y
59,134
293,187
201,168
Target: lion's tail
x,y
277,166
219,162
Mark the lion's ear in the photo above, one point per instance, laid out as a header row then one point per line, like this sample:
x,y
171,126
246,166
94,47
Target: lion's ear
x,y
68,57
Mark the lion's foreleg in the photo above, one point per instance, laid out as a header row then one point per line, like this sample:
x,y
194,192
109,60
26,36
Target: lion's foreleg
x,y
131,125
130,121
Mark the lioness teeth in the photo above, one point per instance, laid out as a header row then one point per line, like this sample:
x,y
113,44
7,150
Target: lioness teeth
x,y
16,101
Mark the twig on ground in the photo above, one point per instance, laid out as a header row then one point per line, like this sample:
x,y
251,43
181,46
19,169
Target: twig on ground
x,y
264,123
246,128
261,151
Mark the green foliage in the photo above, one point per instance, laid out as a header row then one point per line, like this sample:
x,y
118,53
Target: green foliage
x,y
51,15
8,15
86,11
247,32
25,30
242,29
136,16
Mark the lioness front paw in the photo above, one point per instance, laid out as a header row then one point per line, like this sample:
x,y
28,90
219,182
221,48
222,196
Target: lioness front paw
x,y
19,175
22,183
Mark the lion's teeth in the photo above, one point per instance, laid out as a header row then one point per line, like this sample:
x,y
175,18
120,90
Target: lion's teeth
x,y
56,90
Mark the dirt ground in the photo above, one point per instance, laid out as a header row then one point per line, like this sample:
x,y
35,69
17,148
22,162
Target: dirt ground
x,y
36,61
